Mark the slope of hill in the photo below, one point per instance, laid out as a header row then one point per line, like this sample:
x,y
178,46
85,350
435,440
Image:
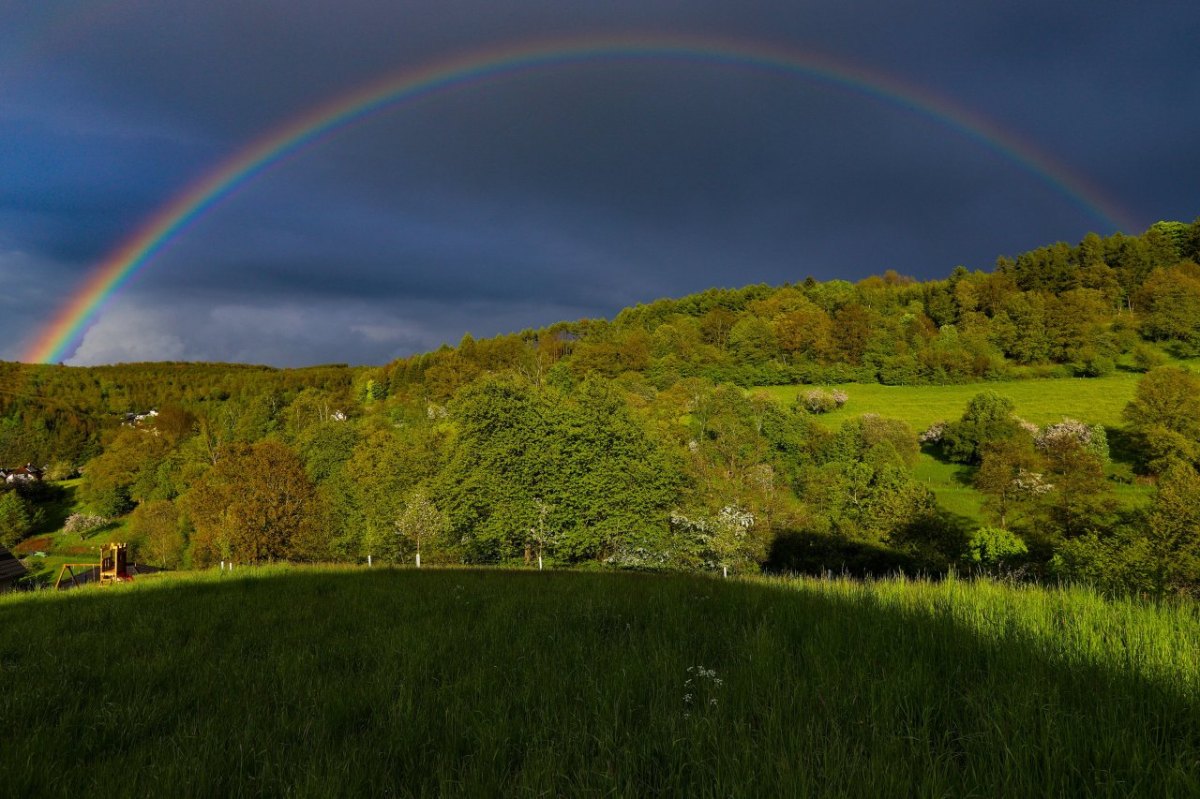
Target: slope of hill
x,y
639,442
383,682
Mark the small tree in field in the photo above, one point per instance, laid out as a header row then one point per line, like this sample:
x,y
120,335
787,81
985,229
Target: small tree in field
x,y
992,548
157,523
725,541
538,534
420,521
1010,477
988,419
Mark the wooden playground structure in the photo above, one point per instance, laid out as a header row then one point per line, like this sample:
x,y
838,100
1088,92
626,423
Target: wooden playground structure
x,y
114,568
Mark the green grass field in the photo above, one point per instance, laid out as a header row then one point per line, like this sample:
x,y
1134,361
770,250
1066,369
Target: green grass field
x,y
319,682
1098,400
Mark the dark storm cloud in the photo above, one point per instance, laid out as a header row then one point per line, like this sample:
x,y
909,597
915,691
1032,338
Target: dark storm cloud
x,y
558,193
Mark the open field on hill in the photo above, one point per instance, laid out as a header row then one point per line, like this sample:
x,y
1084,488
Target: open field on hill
x,y
322,682
1097,400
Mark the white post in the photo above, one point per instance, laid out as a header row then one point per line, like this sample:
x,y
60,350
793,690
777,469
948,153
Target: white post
x,y
222,565
725,572
418,560
368,561
539,561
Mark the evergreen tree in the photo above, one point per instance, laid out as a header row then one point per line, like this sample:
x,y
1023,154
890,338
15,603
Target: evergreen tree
x,y
15,520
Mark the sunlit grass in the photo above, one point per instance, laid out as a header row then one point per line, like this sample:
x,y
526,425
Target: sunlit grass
x,y
1096,400
319,682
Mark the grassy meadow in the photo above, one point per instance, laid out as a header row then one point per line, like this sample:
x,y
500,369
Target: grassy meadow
x,y
1095,400
323,682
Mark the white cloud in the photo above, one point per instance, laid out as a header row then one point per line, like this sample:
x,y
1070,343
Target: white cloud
x,y
127,333
279,334
390,333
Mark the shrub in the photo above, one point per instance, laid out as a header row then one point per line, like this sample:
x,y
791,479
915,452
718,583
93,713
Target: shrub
x,y
61,470
83,523
1091,438
987,419
1147,357
993,547
1095,365
820,401
933,434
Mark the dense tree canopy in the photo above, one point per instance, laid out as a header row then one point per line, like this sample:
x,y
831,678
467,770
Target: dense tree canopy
x,y
634,441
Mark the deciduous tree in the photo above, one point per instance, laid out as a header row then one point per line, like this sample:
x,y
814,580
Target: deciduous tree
x,y
1165,414
421,521
257,504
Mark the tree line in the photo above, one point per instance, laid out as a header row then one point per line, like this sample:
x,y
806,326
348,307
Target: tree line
x,y
634,442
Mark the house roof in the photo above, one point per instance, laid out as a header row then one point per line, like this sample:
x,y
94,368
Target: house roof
x,y
10,567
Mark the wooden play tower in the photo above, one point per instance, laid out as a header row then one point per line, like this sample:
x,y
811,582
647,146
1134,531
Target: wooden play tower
x,y
114,568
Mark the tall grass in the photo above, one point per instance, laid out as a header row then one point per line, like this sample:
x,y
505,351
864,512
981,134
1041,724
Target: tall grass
x,y
321,682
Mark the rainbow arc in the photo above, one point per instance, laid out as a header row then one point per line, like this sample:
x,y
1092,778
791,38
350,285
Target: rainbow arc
x,y
59,338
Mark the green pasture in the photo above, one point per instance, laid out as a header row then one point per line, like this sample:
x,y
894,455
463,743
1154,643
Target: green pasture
x,y
1095,400
356,682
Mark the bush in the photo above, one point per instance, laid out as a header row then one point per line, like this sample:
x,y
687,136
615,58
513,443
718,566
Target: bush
x,y
109,500
995,547
820,401
933,434
1147,357
1095,365
1091,438
1119,563
987,419
61,470
83,523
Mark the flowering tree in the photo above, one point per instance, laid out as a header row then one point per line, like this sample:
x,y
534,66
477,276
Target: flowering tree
x,y
539,535
725,538
1010,475
420,521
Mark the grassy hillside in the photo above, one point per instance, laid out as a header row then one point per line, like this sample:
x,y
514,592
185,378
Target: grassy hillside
x,y
355,682
1097,400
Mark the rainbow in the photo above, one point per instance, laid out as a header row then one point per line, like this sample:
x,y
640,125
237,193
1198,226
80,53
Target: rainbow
x,y
62,334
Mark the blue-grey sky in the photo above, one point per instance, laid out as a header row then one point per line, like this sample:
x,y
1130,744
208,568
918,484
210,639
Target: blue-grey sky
x,y
554,194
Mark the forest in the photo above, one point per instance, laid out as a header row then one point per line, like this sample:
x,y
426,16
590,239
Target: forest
x,y
648,441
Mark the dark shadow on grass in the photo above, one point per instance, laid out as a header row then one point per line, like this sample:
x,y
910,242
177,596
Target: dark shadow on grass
x,y
1125,447
963,475
553,683
795,552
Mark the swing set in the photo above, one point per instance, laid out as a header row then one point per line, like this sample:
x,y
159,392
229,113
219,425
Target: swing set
x,y
114,568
